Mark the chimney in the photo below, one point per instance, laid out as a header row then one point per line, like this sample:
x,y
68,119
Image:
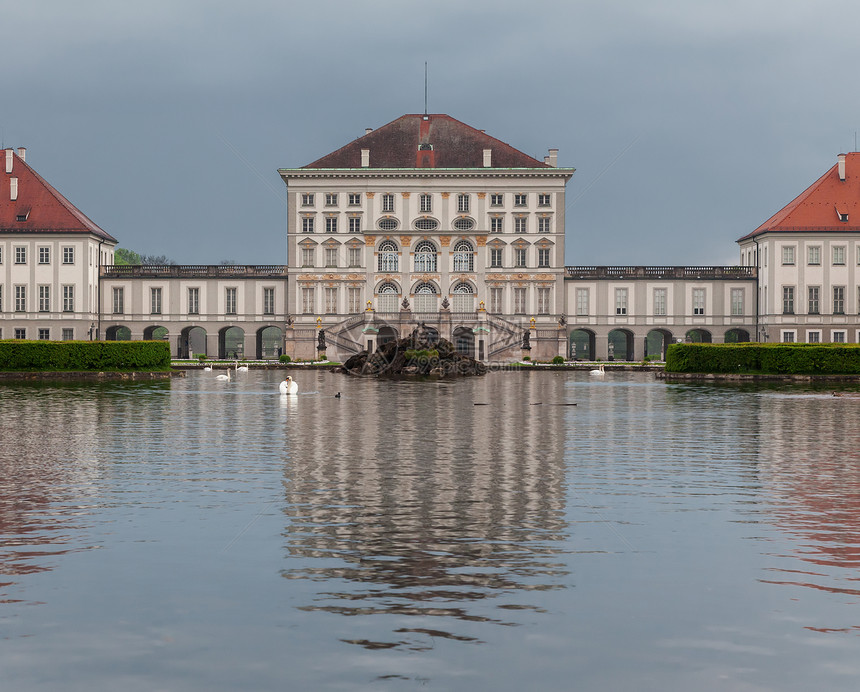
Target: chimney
x,y
553,158
488,158
9,159
22,153
13,189
841,159
365,158
368,130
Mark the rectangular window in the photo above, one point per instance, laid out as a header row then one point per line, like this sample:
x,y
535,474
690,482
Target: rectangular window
x,y
498,201
543,300
68,298
331,301
520,301
20,299
520,257
331,199
495,258
118,300
543,200
462,203
788,336
1,255
813,254
354,199
44,255
268,301
387,202
308,301
788,300
68,334
307,257
68,255
737,301
194,301
496,224
230,301
698,301
1,297
355,224
426,203
659,301
495,300
20,255
520,224
788,254
44,334
813,337
331,224
354,297
581,301
620,301
20,333
354,256
543,257
839,254
308,199
519,200
544,224
838,337
813,296
155,301
839,300
331,257
307,224
44,299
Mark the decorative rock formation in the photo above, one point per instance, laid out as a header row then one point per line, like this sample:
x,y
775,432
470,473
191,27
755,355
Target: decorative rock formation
x,y
415,354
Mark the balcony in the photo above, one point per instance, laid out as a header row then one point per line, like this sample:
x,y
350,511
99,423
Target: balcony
x,y
622,272
191,271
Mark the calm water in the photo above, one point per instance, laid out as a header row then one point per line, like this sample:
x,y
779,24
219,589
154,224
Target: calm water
x,y
473,535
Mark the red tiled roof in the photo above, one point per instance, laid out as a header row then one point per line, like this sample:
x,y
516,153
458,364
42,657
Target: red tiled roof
x,y
819,207
45,209
452,144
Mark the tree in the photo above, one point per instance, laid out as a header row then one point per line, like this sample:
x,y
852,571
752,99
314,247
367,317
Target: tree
x,y
123,256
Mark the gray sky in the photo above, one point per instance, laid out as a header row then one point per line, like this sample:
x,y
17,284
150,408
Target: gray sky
x,y
689,122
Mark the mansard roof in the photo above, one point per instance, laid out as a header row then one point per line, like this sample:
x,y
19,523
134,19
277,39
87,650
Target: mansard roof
x,y
38,207
426,141
830,204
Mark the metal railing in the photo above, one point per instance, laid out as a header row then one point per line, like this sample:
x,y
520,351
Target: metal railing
x,y
645,272
180,271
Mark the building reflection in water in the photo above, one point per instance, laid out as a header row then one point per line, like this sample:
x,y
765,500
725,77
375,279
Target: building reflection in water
x,y
432,500
812,476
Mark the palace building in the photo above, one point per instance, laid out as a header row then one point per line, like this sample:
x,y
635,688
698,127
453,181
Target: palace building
x,y
429,221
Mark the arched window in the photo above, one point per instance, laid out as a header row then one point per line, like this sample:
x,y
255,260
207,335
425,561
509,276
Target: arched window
x,y
387,256
425,298
388,296
425,257
464,300
464,257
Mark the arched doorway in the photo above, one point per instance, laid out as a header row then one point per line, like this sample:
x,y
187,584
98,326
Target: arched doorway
x,y
464,297
698,336
425,297
269,343
620,345
656,343
388,298
192,342
581,344
118,333
155,334
386,334
736,336
464,341
231,343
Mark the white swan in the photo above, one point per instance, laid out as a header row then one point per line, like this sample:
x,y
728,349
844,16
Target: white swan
x,y
207,368
241,368
599,372
289,386
223,377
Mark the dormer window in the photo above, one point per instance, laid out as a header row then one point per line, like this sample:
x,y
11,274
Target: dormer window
x,y
425,147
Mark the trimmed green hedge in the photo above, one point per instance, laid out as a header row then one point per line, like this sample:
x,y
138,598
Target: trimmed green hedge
x,y
778,359
21,355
